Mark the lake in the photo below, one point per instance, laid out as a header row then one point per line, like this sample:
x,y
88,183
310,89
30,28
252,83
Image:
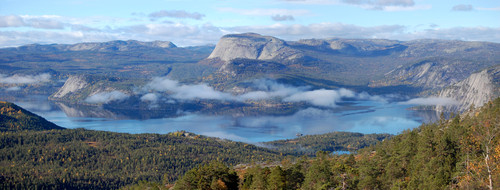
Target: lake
x,y
353,116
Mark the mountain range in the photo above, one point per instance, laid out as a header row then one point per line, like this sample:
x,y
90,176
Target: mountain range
x,y
378,66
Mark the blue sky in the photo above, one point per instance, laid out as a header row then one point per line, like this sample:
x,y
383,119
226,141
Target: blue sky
x,y
189,22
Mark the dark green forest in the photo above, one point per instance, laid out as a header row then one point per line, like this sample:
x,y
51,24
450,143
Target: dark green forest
x,y
332,142
104,160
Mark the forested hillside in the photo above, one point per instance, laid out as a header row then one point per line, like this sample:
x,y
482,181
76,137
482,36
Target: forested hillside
x,y
332,142
15,118
35,156
83,159
460,153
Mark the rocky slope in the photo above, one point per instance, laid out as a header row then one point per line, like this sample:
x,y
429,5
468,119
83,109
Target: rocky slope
x,y
252,46
360,63
79,88
72,85
476,90
440,63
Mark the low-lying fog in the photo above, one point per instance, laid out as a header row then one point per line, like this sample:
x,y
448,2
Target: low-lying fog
x,y
365,116
329,110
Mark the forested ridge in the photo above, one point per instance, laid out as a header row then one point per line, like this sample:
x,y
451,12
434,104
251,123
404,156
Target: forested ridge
x,y
460,153
332,142
105,160
15,118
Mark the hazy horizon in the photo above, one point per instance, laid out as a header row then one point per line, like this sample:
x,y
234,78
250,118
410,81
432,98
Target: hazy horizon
x,y
192,23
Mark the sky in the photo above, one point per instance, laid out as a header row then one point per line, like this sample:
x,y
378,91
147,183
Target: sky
x,y
202,22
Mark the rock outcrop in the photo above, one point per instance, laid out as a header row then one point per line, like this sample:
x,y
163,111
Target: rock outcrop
x,y
432,73
78,88
251,46
73,84
435,64
476,90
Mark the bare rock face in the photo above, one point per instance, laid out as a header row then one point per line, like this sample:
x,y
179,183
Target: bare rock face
x,y
433,73
476,90
73,84
78,88
251,46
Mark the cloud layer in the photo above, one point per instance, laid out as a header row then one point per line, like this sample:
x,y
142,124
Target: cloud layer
x,y
48,29
264,89
462,7
431,101
176,14
282,18
24,79
106,97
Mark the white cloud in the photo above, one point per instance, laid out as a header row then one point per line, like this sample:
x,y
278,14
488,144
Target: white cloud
x,y
379,4
385,5
199,91
186,92
11,21
264,89
42,22
13,88
462,7
326,98
431,101
403,8
106,97
265,12
58,29
24,79
268,89
149,97
282,18
176,14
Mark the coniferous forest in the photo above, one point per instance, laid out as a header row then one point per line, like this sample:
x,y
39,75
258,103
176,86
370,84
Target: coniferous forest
x,y
460,153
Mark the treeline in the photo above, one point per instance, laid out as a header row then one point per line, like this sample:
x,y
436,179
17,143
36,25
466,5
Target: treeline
x,y
332,142
83,159
460,153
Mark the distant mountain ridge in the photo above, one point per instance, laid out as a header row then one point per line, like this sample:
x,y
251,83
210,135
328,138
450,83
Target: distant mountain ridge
x,y
117,45
426,64
372,65
118,58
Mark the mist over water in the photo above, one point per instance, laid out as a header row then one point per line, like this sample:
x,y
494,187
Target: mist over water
x,y
365,116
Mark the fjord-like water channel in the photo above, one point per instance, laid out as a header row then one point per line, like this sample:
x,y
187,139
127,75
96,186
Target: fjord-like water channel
x,y
353,116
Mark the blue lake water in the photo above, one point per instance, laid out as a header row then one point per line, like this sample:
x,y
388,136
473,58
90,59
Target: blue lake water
x,y
353,116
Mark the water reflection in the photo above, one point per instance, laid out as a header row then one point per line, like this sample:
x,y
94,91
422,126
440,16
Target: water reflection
x,y
353,116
